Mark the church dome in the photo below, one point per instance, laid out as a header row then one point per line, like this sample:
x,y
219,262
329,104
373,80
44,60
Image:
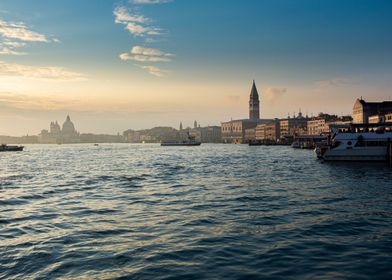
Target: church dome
x,y
68,126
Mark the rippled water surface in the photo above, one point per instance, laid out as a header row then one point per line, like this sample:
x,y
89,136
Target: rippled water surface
x,y
214,212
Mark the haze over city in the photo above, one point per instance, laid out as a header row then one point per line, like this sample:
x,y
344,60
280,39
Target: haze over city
x,y
115,65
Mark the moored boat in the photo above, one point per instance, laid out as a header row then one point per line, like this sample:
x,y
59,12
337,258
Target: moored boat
x,y
357,142
10,148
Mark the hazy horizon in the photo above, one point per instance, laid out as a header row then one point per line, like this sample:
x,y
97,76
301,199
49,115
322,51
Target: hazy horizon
x,y
118,65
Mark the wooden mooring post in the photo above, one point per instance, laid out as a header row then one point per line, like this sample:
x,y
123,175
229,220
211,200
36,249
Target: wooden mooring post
x,y
389,153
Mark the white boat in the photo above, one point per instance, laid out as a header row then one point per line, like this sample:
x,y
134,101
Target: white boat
x,y
357,142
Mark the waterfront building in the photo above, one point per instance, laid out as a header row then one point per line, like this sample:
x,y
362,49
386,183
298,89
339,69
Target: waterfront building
x,y
388,117
208,134
295,125
340,120
45,137
27,139
153,135
250,135
320,124
234,131
55,128
268,132
376,118
362,110
101,138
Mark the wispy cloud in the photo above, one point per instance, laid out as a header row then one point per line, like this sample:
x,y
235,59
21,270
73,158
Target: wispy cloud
x,y
40,72
19,31
124,15
11,48
136,24
26,102
232,98
142,2
142,54
272,94
153,70
15,35
140,30
140,26
337,82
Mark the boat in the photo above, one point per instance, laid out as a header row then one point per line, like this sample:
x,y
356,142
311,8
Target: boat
x,y
307,141
357,142
191,141
8,148
296,145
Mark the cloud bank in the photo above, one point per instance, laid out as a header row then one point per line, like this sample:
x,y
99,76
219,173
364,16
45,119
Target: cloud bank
x,y
272,94
40,72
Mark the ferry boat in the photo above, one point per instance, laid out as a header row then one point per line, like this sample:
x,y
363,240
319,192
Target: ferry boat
x,y
357,142
191,141
8,148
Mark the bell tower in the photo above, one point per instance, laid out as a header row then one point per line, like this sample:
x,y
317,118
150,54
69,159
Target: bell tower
x,y
254,103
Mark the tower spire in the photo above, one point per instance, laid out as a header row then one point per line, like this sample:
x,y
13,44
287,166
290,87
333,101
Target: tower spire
x,y
254,103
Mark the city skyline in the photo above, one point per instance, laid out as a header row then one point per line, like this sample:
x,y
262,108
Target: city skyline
x,y
137,64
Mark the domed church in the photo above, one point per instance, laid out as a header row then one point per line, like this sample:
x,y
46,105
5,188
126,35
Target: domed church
x,y
69,133
68,127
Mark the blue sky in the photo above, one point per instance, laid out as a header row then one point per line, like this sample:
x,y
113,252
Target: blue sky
x,y
185,53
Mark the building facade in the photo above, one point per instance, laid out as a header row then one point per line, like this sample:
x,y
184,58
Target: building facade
x,y
376,118
319,125
362,110
210,134
234,131
250,135
295,125
268,132
388,118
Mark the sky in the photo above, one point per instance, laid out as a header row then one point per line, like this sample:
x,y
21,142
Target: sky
x,y
132,64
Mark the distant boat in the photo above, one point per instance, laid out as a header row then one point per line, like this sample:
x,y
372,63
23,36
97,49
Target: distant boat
x,y
7,148
189,142
180,143
96,144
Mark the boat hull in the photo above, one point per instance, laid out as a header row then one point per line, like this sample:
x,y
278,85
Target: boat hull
x,y
377,154
4,148
180,144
